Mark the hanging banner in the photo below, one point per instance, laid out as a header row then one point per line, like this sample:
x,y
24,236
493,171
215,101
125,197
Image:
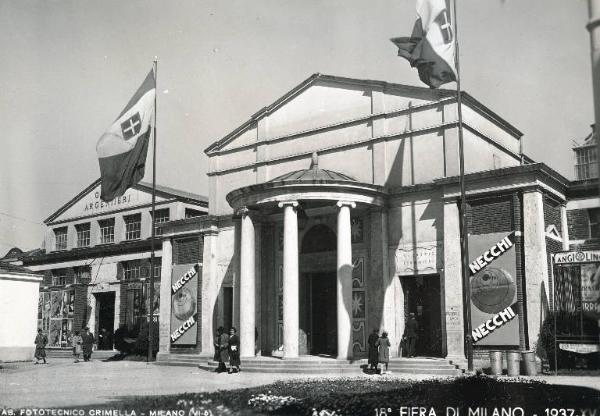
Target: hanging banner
x,y
493,298
184,305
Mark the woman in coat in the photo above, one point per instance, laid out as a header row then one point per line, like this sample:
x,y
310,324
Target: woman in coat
x,y
234,351
384,350
40,347
223,349
373,354
221,367
76,343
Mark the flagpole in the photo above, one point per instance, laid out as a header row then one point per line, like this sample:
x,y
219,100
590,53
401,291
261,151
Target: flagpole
x,y
151,290
466,283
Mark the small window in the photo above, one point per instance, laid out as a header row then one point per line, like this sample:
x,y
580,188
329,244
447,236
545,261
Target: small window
x,y
59,278
133,225
83,234
61,238
191,213
162,215
82,274
594,214
132,270
107,231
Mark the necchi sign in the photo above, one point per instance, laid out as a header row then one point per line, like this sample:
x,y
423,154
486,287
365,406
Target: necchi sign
x,y
184,303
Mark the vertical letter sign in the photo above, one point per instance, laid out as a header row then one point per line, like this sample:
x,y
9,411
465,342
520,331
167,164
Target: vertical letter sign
x,y
184,305
493,289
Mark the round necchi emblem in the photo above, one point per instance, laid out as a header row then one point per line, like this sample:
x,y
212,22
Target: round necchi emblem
x,y
492,290
184,304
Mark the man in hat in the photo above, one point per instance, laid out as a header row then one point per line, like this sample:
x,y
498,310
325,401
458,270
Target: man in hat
x,y
88,344
410,334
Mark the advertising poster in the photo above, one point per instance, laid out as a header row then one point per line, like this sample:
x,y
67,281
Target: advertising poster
x,y
184,303
492,266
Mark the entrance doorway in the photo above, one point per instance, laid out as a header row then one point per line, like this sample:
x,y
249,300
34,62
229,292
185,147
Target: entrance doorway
x,y
422,297
105,309
320,313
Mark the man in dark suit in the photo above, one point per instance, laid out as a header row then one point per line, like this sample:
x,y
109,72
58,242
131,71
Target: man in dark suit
x,y
410,334
88,344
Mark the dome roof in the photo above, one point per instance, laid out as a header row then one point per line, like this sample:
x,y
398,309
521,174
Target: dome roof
x,y
312,174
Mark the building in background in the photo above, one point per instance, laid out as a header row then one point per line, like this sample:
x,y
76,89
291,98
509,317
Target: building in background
x,y
335,210
96,261
19,292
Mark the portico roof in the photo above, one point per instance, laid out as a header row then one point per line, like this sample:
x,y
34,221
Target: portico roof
x,y
312,184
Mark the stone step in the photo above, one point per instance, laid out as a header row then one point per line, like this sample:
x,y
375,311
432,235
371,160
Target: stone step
x,y
68,353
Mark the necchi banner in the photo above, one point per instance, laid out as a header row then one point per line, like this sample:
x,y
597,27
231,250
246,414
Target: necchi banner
x,y
492,267
184,303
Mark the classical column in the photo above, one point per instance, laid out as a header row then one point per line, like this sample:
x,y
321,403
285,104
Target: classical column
x,y
247,287
291,320
209,291
452,282
164,329
344,281
536,262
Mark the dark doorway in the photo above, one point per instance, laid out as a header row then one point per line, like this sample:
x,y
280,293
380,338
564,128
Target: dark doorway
x,y
422,297
318,315
227,307
105,305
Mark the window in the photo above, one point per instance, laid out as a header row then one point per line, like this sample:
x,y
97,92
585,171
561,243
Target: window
x,y
107,231
162,215
157,267
83,274
132,270
59,277
594,214
586,166
132,226
83,234
61,238
191,213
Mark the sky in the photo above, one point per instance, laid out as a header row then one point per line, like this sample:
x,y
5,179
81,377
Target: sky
x,y
69,67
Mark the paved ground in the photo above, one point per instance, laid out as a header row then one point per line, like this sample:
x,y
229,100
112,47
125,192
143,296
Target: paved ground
x,y
64,383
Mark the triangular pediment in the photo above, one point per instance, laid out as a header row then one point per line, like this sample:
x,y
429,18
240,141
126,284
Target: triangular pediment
x,y
88,202
552,232
322,101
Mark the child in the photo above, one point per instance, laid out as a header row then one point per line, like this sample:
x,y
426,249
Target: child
x,y
77,343
384,351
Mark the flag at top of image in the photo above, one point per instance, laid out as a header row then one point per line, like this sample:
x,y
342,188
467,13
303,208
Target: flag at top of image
x,y
431,47
122,149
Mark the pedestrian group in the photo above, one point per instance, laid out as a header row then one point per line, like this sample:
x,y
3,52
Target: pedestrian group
x,y
227,349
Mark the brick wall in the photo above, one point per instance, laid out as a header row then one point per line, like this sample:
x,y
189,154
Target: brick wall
x,y
490,216
552,214
188,250
579,224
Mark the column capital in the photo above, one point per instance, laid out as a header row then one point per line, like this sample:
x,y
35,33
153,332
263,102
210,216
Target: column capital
x,y
287,203
350,204
243,212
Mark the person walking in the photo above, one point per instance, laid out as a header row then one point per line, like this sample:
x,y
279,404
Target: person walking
x,y
88,344
223,350
373,353
77,344
41,341
411,334
234,351
384,345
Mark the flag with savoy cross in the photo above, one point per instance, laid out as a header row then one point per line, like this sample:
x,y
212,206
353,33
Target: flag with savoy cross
x,y
431,47
122,149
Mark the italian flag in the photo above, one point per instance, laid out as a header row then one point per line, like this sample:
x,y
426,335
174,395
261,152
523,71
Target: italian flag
x,y
431,48
122,149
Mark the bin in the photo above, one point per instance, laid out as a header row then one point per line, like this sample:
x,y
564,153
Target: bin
x,y
513,359
496,363
529,365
